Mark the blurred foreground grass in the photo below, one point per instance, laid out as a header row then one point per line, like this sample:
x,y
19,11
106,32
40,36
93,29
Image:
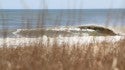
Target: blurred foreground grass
x,y
98,56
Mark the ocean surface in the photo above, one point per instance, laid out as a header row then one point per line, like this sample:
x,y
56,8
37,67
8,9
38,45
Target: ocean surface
x,y
13,19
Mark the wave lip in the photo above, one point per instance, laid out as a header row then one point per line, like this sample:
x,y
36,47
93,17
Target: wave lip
x,y
99,29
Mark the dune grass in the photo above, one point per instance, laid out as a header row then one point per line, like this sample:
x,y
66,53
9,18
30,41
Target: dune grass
x,y
98,56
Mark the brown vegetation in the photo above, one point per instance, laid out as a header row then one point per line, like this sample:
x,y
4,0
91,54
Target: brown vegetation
x,y
98,56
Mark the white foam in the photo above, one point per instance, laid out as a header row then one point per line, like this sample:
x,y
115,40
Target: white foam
x,y
14,42
70,29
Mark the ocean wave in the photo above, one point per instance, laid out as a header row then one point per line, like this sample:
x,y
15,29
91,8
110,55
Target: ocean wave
x,y
65,31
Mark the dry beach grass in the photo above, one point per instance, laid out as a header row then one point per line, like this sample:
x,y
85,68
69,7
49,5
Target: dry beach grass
x,y
98,56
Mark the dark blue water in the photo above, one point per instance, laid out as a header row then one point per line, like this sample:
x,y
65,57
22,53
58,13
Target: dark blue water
x,y
15,19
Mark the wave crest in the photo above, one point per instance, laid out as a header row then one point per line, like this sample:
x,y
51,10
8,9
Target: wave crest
x,y
63,31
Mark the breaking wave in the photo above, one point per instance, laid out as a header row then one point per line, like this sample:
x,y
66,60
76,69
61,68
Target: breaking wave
x,y
49,32
65,31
